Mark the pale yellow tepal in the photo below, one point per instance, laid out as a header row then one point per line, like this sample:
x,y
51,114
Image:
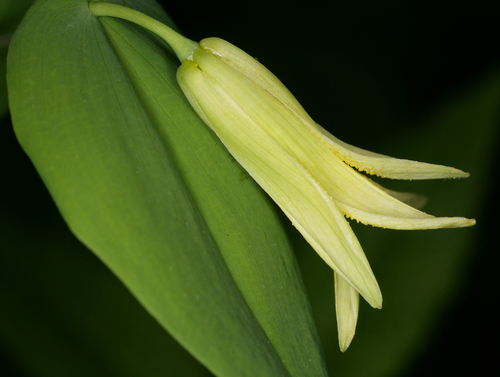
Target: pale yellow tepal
x,y
307,171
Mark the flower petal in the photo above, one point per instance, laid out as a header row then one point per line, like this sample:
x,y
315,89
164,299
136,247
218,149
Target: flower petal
x,y
391,222
363,160
385,166
361,199
232,108
255,71
413,200
346,307
355,195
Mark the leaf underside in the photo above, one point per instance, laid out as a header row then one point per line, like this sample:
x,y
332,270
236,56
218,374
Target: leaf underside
x,y
147,187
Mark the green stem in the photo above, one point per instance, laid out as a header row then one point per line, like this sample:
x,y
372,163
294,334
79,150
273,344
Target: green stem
x,y
184,48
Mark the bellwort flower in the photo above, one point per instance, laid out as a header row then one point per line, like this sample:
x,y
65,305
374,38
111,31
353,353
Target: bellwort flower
x,y
313,177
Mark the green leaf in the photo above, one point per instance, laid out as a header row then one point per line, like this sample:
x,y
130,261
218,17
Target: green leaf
x,y
63,312
144,184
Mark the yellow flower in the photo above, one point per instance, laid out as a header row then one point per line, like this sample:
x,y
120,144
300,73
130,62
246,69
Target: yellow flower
x,y
312,176
307,171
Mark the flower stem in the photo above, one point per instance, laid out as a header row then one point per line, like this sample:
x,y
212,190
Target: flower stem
x,y
182,46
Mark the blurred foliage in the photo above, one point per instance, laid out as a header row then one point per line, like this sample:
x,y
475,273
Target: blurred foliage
x,y
418,80
11,12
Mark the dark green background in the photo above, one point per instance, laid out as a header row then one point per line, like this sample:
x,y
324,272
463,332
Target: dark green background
x,y
369,71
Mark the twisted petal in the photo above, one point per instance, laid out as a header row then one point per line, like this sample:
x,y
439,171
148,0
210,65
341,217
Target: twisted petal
x,y
346,307
354,194
363,160
363,200
224,106
384,166
413,200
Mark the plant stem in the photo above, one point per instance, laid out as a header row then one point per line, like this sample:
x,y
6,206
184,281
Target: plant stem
x,y
182,46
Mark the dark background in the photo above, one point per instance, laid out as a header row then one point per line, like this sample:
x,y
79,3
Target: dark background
x,y
415,53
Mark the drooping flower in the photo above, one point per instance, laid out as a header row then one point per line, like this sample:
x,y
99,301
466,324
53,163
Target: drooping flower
x,y
312,176
307,171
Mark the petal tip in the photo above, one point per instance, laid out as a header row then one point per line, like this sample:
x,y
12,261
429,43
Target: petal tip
x,y
460,174
375,301
344,344
469,222
461,222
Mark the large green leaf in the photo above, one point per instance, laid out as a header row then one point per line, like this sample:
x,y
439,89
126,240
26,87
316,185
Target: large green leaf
x,y
63,313
145,185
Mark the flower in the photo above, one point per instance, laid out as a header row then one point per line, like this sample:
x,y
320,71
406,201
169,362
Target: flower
x,y
312,176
